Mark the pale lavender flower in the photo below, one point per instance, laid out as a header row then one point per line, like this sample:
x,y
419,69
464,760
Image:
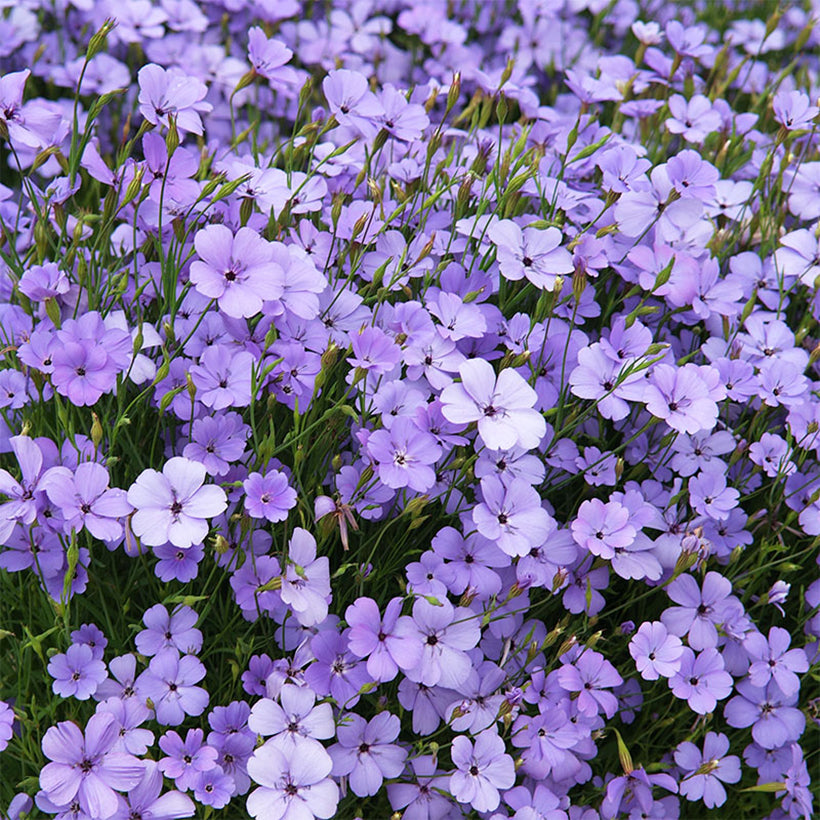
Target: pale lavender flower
x,y
366,752
704,770
173,505
292,787
77,674
481,770
84,768
502,406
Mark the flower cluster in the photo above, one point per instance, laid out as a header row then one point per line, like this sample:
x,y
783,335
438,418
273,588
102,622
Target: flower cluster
x,y
409,409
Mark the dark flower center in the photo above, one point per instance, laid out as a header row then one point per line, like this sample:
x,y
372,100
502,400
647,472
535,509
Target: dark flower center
x,y
86,766
502,519
474,771
526,262
364,748
176,508
432,640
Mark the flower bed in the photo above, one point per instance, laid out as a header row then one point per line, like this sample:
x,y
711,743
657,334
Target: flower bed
x,y
409,409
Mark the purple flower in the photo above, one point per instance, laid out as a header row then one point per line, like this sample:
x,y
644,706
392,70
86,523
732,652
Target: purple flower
x,y
306,581
216,442
269,496
603,528
77,674
91,636
793,110
533,252
700,611
223,377
268,58
701,680
170,683
511,516
389,644
176,564
6,721
365,752
403,455
172,93
705,770
297,720
773,660
146,802
41,282
84,767
292,787
173,505
186,759
130,714
502,406
238,270
25,494
374,351
772,715
422,799
709,495
214,788
655,651
85,500
336,671
164,631
447,633
351,101
681,397
547,739
481,770
590,675
693,119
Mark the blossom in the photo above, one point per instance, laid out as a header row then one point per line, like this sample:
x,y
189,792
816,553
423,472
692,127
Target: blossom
x,y
681,397
701,680
351,101
77,673
704,770
176,630
403,455
481,770
655,651
186,759
292,786
365,752
268,496
166,94
297,720
502,406
590,676
773,660
700,610
238,270
84,767
511,516
6,722
173,505
306,582
533,252
389,643
170,683
85,499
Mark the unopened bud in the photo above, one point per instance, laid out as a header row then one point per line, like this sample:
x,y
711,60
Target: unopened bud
x,y
455,91
53,311
96,430
97,42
